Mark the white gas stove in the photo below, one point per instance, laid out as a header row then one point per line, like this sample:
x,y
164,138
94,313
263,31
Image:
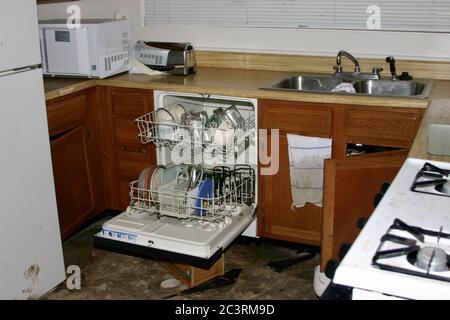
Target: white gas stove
x,y
404,249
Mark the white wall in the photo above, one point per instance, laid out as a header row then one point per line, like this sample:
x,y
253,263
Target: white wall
x,y
420,46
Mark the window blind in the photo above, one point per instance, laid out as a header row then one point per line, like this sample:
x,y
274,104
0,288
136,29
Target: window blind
x,y
402,15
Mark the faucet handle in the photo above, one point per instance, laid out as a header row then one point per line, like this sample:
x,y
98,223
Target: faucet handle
x,y
377,70
338,68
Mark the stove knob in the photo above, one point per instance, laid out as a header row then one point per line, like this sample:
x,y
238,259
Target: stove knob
x,y
361,222
337,292
384,188
344,249
377,199
330,268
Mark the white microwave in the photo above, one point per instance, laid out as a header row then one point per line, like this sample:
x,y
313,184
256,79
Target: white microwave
x,y
96,49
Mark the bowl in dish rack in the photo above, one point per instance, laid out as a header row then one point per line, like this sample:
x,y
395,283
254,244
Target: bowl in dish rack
x,y
177,111
166,124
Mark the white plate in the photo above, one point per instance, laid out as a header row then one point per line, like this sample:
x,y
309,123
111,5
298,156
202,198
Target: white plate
x,y
156,181
177,112
163,115
170,173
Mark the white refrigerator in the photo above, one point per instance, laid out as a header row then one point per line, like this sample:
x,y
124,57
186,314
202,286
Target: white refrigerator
x,y
31,259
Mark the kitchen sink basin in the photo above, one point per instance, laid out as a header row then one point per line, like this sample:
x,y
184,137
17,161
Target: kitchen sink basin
x,y
306,83
390,88
325,84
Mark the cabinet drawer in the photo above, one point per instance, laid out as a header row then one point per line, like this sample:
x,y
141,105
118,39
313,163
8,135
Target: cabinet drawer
x,y
66,113
293,117
130,103
383,126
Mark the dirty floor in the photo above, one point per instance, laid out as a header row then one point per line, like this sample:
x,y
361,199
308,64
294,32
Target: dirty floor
x,y
107,275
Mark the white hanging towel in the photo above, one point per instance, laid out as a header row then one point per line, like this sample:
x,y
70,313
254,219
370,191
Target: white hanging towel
x,y
306,161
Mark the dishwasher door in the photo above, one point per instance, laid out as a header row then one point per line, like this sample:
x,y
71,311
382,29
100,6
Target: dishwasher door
x,y
169,238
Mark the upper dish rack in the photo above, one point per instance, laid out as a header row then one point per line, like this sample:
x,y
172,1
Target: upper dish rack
x,y
225,137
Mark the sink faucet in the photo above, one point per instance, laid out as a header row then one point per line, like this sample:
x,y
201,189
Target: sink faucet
x,y
356,74
338,66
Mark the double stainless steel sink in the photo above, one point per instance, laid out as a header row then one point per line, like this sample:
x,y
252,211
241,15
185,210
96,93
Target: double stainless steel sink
x,y
326,84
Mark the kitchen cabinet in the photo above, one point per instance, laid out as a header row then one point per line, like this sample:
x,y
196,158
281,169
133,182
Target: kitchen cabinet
x,y
350,183
73,182
76,159
277,220
124,154
96,151
95,138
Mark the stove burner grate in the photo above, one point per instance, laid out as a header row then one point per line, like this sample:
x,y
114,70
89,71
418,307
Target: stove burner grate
x,y
432,180
411,250
444,188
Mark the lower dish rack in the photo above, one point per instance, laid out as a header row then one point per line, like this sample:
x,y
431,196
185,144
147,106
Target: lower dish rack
x,y
222,193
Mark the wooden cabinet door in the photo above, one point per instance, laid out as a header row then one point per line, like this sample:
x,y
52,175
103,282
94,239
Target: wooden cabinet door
x,y
126,156
350,186
73,183
276,218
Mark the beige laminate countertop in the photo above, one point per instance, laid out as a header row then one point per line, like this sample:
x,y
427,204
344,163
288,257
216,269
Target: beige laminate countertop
x,y
438,112
246,83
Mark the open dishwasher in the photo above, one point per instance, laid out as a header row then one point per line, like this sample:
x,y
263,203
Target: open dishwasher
x,y
202,193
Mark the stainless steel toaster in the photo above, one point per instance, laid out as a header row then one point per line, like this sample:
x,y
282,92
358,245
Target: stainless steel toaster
x,y
176,58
